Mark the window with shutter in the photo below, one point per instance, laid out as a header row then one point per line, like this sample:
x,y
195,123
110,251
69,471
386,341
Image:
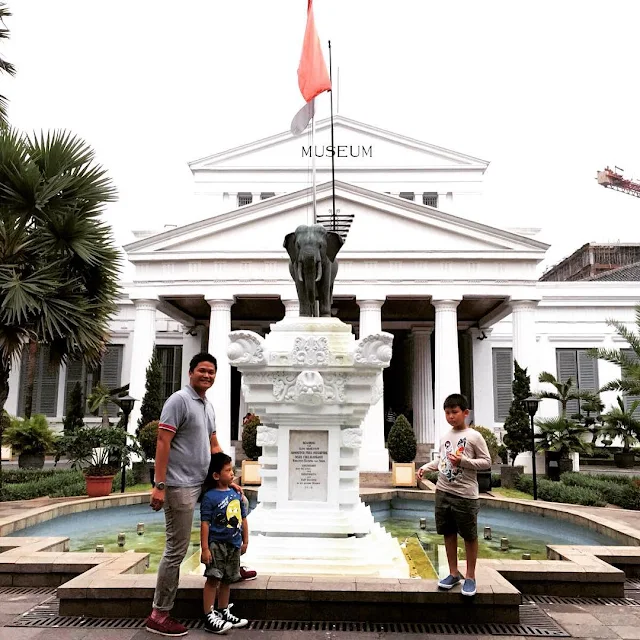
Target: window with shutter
x,y
111,371
171,360
502,382
629,400
45,384
583,371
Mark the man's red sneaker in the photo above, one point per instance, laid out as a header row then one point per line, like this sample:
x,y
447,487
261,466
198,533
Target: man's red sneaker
x,y
248,574
168,627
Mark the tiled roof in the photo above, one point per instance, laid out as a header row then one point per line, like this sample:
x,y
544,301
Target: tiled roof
x,y
630,273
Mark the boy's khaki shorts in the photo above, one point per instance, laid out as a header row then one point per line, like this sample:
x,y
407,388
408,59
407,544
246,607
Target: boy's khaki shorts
x,y
456,515
225,562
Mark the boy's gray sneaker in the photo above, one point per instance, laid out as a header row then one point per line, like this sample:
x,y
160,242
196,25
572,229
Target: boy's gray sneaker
x,y
450,581
469,587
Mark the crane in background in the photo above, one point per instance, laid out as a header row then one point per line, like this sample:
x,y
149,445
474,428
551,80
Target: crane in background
x,y
612,180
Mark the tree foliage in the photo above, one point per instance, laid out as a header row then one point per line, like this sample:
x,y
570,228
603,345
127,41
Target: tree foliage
x,y
249,435
402,442
5,66
151,407
58,263
621,423
517,424
490,439
629,382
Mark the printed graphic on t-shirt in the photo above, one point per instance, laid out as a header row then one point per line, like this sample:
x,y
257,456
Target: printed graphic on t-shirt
x,y
228,513
450,472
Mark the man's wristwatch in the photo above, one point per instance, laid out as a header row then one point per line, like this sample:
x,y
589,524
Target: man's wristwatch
x,y
160,486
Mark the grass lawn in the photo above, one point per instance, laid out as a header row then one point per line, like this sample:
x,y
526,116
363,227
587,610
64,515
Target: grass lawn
x,y
511,493
138,487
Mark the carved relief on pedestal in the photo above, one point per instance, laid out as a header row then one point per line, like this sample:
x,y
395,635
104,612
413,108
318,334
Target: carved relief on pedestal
x,y
310,351
351,438
334,387
283,382
246,347
377,390
309,388
266,436
374,350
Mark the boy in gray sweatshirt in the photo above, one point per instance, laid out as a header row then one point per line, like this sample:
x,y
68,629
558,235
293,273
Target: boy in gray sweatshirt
x,y
463,452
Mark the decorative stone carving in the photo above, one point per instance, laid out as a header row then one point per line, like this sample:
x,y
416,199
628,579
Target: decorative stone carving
x,y
377,390
283,383
266,436
334,387
374,350
310,351
309,388
351,438
246,347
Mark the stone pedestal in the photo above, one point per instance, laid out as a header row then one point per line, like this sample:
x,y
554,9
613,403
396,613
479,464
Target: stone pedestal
x,y
312,384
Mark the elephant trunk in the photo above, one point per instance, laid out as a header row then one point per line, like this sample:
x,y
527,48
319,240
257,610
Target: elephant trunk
x,y
300,278
308,268
318,271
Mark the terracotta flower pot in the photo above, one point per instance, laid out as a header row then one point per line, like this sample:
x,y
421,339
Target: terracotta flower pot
x,y
99,486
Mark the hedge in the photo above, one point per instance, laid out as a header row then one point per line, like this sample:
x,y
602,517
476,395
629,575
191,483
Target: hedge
x,y
54,483
560,492
616,490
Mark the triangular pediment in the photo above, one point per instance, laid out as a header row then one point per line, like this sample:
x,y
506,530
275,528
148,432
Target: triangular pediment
x,y
355,145
382,224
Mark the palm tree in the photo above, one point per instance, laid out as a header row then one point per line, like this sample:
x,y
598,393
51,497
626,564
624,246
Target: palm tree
x,y
5,67
564,391
629,382
563,435
621,423
58,264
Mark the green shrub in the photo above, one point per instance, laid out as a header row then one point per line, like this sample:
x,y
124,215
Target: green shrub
x,y
26,485
148,437
29,436
152,401
431,476
490,439
503,454
619,492
496,480
249,435
560,492
402,442
74,418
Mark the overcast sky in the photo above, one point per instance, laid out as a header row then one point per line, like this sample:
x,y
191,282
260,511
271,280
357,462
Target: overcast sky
x,y
546,91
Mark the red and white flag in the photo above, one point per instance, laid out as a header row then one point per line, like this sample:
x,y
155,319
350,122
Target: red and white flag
x,y
313,77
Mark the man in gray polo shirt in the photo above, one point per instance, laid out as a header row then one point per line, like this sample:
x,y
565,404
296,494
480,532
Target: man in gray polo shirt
x,y
186,440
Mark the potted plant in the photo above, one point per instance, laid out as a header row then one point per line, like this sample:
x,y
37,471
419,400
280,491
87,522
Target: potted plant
x,y
30,439
251,466
148,438
484,477
558,438
402,447
621,423
99,453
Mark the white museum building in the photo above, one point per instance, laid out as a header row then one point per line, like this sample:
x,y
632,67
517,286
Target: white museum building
x,y
461,298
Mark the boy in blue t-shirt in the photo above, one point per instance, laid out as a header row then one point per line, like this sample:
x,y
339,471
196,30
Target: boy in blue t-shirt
x,y
224,536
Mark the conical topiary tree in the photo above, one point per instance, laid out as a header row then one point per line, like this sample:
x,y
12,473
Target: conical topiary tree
x,y
518,424
249,435
402,443
74,418
152,402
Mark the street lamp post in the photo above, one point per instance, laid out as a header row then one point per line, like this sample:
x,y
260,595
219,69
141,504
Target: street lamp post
x,y
126,403
531,405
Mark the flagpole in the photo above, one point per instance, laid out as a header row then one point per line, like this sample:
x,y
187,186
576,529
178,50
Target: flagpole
x,y
333,169
313,162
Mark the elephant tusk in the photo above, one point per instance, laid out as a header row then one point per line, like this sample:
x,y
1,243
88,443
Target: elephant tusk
x,y
319,276
300,272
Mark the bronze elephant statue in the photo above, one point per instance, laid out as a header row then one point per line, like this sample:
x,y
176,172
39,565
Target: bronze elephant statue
x,y
313,266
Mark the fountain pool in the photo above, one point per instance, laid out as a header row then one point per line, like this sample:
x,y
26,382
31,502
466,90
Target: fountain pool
x,y
526,533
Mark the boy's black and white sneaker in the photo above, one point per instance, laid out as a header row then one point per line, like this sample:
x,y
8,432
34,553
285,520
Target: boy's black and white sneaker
x,y
234,621
213,623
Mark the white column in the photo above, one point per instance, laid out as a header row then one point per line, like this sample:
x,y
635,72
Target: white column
x,y
242,410
483,410
11,405
373,454
144,337
417,197
422,402
291,307
523,314
220,393
255,197
191,346
62,384
447,380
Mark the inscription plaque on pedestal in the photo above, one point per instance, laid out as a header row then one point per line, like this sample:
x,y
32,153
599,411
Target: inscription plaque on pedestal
x,y
308,465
